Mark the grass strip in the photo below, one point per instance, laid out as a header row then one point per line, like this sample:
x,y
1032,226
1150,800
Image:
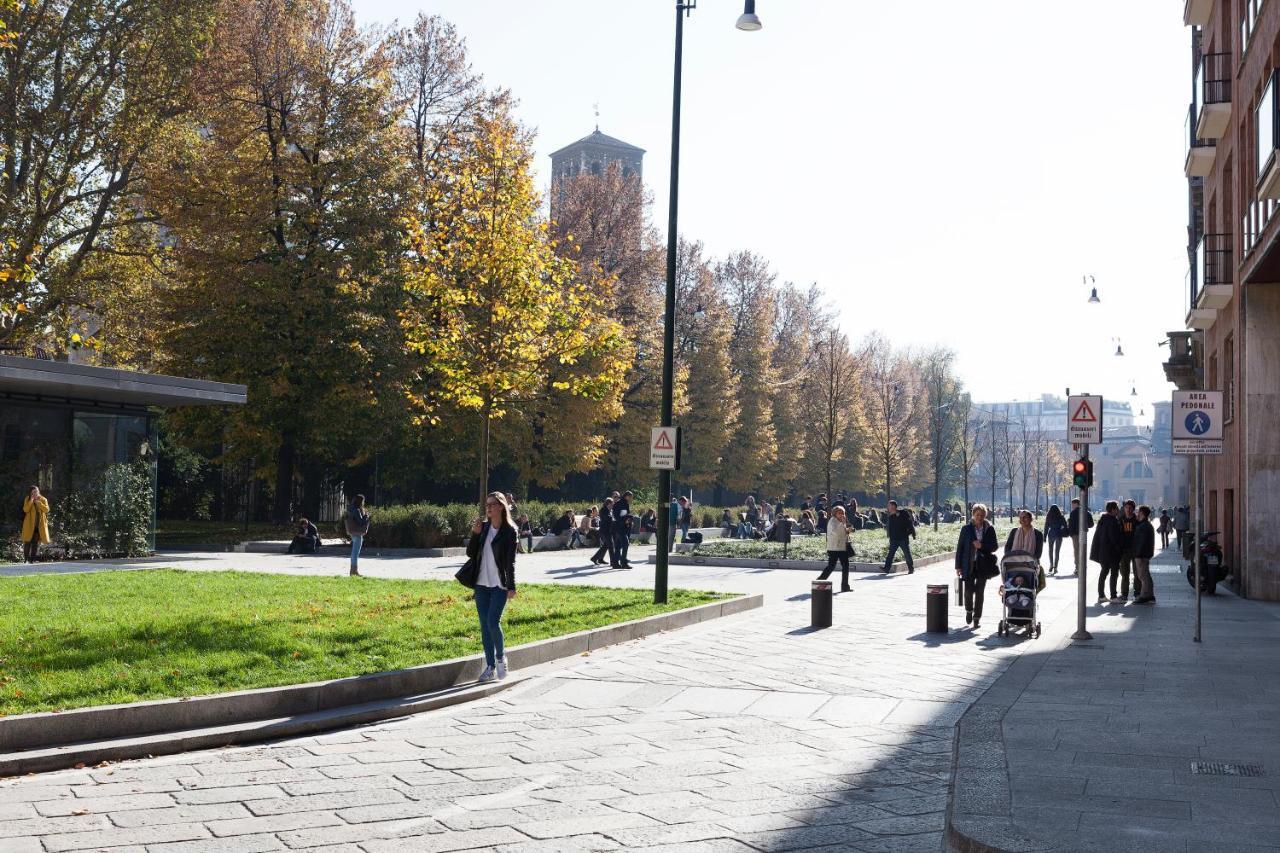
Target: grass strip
x,y
71,641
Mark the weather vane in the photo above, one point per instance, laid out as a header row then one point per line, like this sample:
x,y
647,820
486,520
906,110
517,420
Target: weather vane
x,y
597,109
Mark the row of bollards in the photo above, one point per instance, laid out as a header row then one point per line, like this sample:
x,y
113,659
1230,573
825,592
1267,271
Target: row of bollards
x,y
935,607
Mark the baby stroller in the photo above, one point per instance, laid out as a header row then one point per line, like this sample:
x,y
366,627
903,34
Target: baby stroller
x,y
1019,578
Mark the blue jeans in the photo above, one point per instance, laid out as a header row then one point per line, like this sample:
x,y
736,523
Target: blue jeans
x,y
894,545
490,602
357,542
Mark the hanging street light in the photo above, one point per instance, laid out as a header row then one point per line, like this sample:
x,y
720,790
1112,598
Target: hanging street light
x,y
748,21
1093,295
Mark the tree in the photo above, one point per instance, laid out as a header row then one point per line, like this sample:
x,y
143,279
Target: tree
x,y
943,402
747,284
703,338
831,411
799,320
892,400
601,223
498,319
970,446
284,200
87,90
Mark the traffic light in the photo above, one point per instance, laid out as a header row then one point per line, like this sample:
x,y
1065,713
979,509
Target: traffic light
x,y
1082,473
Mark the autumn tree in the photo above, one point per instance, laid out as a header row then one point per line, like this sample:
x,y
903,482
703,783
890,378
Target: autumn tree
x,y
284,198
87,89
708,408
497,318
799,319
601,223
892,405
942,404
832,411
747,285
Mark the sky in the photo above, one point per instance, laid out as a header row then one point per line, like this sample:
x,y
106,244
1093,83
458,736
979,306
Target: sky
x,y
947,171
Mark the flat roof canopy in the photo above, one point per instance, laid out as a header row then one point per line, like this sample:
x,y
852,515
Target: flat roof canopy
x,y
61,380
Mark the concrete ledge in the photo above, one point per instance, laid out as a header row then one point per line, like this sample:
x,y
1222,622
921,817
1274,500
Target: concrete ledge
x,y
799,565
337,546
39,735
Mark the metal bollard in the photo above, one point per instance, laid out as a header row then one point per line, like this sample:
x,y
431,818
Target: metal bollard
x,y
935,609
820,605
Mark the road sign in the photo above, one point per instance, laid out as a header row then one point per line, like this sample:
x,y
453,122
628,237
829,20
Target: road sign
x,y
1084,419
664,448
1197,423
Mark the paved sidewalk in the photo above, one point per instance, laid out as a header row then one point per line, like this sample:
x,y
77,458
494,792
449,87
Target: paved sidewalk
x,y
1117,744
753,733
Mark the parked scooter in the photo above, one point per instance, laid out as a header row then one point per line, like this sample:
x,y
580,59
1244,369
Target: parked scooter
x,y
1212,568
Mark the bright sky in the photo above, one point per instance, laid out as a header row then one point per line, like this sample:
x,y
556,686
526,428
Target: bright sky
x,y
947,170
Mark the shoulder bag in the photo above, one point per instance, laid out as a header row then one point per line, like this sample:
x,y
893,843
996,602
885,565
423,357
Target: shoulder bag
x,y
469,573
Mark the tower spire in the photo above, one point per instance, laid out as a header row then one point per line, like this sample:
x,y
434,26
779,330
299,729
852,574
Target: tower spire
x,y
597,108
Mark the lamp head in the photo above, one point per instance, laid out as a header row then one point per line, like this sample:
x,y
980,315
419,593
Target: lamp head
x,y
1093,297
748,21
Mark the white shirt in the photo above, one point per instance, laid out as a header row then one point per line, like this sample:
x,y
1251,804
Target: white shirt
x,y
488,566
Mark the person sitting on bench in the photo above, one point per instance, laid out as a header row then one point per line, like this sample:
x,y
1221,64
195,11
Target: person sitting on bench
x,y
306,540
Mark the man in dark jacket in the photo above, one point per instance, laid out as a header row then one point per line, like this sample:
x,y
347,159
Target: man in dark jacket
x,y
1073,529
1108,545
1128,526
1144,548
901,528
622,528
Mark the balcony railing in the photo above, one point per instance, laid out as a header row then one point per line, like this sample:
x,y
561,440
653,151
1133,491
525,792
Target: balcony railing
x,y
1213,260
1213,95
1199,152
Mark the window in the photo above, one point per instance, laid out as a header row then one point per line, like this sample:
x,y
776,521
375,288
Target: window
x,y
1138,471
1228,379
1264,123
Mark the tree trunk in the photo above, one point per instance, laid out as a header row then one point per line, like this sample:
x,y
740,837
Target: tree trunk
x,y
484,458
312,486
282,509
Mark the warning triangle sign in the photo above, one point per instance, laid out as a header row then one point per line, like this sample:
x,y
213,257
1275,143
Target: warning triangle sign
x,y
1084,414
663,442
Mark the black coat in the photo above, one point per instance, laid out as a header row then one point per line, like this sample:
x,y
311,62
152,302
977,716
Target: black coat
x,y
1073,525
1055,527
1128,524
504,552
1108,543
1144,540
901,525
964,549
1008,543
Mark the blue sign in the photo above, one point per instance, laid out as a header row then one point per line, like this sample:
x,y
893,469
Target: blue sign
x,y
1198,423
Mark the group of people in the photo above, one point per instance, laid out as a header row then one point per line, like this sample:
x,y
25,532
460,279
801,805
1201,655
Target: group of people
x,y
900,524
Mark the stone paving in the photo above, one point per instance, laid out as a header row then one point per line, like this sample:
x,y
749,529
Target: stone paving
x,y
752,733
1119,743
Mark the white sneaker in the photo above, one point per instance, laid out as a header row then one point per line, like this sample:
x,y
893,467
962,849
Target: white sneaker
x,y
502,668
487,675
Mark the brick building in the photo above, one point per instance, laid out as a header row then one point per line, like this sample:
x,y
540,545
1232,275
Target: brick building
x,y
1233,287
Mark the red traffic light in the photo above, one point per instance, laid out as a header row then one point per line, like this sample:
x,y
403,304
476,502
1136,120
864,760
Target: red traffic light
x,y
1080,467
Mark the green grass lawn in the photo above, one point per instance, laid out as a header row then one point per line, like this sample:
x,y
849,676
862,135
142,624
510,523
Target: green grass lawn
x,y
69,641
869,546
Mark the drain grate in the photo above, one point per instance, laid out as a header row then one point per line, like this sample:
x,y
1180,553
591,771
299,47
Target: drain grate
x,y
1222,768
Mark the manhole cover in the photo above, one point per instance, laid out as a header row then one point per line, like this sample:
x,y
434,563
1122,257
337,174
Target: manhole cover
x,y
1222,768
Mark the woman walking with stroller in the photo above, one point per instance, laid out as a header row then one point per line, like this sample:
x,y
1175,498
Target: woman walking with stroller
x,y
976,562
1025,537
1055,530
838,548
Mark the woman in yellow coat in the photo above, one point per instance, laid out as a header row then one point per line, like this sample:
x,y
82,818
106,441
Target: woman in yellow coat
x,y
35,523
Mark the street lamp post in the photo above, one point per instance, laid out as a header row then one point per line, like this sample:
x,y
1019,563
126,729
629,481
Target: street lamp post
x,y
750,22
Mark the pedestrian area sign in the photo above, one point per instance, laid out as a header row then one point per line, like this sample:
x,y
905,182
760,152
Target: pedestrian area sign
x,y
1197,423
1084,419
664,448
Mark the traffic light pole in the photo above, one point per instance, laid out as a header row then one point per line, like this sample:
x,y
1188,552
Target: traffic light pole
x,y
1082,562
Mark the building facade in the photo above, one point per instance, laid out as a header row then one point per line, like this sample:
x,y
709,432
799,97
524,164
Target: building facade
x,y
592,155
1232,344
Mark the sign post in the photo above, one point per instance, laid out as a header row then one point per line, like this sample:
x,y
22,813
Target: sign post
x,y
664,455
1084,427
1197,431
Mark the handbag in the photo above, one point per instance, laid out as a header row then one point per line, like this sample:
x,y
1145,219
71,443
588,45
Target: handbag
x,y
984,566
469,573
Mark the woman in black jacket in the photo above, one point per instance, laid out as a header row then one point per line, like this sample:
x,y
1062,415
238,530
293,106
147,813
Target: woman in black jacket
x,y
1025,537
1055,530
975,562
493,546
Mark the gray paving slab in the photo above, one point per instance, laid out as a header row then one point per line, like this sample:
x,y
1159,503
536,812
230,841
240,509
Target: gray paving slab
x,y
1118,778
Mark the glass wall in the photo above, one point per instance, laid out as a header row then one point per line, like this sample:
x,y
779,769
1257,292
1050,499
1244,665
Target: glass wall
x,y
78,458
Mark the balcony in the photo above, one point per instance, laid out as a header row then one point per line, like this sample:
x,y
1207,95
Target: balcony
x,y
1200,152
1182,369
1213,94
1197,13
1209,282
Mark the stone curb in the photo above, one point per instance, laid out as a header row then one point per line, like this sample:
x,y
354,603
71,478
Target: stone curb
x,y
800,565
44,731
979,798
